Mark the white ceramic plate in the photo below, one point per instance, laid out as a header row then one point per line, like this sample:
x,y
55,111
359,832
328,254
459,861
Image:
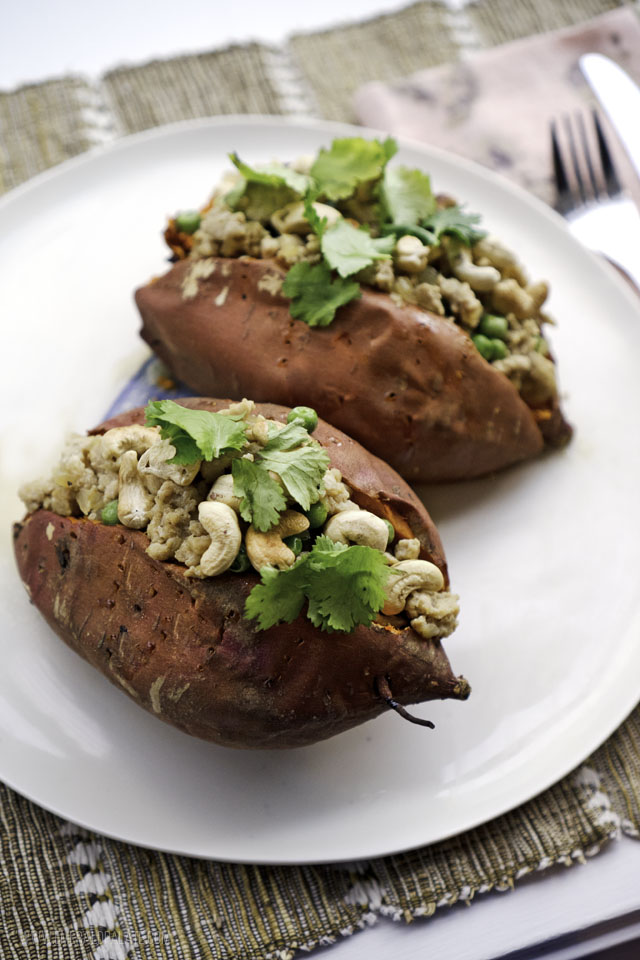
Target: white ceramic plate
x,y
546,556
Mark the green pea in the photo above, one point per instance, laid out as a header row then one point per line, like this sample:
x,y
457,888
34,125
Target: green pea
x,y
109,513
500,350
316,515
542,346
305,416
484,345
295,544
493,326
188,221
241,562
391,530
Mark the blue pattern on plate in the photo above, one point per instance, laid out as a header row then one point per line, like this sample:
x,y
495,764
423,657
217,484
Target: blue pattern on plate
x,y
151,382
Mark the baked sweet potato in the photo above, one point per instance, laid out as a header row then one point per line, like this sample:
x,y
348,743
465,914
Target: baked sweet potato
x,y
343,279
407,384
181,646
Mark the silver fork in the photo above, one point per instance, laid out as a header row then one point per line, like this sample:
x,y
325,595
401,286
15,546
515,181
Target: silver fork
x,y
589,194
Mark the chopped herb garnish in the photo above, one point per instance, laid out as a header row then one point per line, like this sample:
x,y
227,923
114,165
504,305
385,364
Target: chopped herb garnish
x,y
272,175
344,587
407,195
455,222
263,499
349,249
301,469
349,162
314,295
299,462
195,434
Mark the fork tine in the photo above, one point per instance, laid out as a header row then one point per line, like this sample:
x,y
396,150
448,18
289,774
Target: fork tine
x,y
586,152
564,199
573,153
611,180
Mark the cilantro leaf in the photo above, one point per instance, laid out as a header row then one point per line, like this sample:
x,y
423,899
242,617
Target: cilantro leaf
x,y
314,296
279,597
196,434
263,191
318,224
272,175
258,201
348,249
407,195
262,497
344,587
455,222
301,469
348,586
348,162
293,435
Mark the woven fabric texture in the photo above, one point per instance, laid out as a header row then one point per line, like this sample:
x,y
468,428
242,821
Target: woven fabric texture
x,y
235,80
66,893
41,125
336,62
497,21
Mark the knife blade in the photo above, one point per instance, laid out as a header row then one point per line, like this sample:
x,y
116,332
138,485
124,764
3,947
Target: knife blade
x,y
619,97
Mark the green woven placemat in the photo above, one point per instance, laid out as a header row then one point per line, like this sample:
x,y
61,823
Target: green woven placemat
x,y
66,893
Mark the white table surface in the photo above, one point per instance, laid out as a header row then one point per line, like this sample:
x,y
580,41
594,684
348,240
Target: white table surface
x,y
562,914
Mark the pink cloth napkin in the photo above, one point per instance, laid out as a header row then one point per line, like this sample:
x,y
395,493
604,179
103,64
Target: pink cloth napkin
x,y
495,106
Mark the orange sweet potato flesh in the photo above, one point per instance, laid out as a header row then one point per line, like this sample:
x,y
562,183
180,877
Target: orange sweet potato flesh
x,y
181,648
408,385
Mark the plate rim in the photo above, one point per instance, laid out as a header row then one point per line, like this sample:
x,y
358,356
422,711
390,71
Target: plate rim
x,y
103,151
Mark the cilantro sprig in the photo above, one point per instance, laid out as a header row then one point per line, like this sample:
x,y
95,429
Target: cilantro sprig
x,y
343,586
407,195
262,498
262,191
315,295
349,249
195,434
456,222
272,175
296,459
348,162
351,171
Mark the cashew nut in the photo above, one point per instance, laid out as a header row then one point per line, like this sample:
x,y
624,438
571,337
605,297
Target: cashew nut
x,y
222,492
358,526
291,219
478,278
407,549
407,576
411,255
221,523
135,503
267,549
155,461
509,297
462,300
490,250
116,441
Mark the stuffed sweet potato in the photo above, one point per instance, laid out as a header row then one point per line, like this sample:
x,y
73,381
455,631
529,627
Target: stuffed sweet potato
x,y
243,580
384,306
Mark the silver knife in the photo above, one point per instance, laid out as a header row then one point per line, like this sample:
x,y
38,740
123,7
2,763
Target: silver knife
x,y
613,226
619,97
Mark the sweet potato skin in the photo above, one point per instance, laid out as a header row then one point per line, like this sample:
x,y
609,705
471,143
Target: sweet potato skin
x,y
408,385
181,648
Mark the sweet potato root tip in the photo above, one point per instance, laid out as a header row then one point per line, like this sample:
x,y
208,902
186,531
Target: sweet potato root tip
x,y
384,690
